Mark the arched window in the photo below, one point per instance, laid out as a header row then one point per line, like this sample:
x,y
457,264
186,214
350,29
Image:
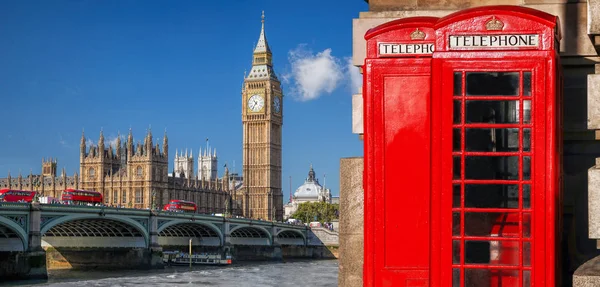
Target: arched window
x,y
92,172
139,171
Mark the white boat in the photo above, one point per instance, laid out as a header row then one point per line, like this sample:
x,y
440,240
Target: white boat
x,y
182,258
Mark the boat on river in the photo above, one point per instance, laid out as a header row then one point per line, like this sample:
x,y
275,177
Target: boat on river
x,y
182,258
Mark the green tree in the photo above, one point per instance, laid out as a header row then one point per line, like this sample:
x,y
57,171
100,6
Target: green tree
x,y
316,211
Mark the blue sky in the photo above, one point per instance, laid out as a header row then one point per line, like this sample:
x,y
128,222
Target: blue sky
x,y
68,66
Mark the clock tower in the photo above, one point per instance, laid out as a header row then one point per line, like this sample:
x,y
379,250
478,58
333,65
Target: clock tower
x,y
262,118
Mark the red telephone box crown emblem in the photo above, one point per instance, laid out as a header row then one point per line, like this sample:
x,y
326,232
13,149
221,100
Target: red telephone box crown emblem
x,y
494,24
417,35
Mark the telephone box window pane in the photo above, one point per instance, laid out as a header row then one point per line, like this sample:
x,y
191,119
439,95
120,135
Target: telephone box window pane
x,y
456,168
455,277
526,168
456,139
456,252
477,277
504,253
477,252
457,113
492,84
526,225
457,83
526,253
526,196
504,278
499,112
526,278
455,223
491,140
527,83
491,195
526,111
456,195
495,224
526,139
492,167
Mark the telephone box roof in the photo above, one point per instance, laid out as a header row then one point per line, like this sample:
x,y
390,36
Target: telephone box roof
x,y
401,23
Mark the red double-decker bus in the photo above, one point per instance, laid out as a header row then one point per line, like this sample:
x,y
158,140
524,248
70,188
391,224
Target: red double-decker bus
x,y
12,195
177,205
75,196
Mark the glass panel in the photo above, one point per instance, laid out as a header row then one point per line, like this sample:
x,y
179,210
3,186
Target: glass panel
x,y
526,253
456,251
456,169
477,252
527,83
457,83
526,278
457,113
526,111
477,277
455,277
504,253
500,112
492,167
456,224
494,224
491,195
526,224
492,84
504,278
456,195
526,168
526,139
526,196
490,140
456,136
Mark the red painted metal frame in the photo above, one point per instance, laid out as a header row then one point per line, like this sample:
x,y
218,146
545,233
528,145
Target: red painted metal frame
x,y
432,131
405,68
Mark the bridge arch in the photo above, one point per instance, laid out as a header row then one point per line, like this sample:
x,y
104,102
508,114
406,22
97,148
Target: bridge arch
x,y
250,235
85,230
178,232
290,237
10,232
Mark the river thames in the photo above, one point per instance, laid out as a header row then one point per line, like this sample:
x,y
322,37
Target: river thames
x,y
291,273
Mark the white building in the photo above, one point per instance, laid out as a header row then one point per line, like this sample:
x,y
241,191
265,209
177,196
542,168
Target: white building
x,y
207,164
310,191
184,164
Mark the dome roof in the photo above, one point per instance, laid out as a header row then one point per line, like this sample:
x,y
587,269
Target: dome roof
x,y
311,189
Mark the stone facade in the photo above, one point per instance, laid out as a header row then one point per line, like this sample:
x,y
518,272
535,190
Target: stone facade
x,y
580,29
130,175
262,119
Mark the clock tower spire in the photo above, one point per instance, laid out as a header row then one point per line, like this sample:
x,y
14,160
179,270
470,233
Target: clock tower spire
x,y
262,119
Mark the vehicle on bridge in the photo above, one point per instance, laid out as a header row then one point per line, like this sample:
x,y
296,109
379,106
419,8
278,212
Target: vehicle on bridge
x,y
13,195
177,205
76,196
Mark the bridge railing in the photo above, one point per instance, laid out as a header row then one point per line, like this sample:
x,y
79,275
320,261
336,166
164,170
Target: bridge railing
x,y
14,205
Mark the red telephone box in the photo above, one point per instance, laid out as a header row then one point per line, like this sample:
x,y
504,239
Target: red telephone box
x,y
397,175
463,177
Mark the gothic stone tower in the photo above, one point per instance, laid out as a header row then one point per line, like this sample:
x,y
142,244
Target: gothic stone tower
x,y
262,118
184,164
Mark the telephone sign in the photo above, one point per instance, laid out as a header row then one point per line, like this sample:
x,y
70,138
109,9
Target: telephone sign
x,y
463,150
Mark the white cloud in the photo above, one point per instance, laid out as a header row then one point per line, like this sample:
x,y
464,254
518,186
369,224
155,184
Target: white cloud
x,y
62,141
313,75
89,142
355,76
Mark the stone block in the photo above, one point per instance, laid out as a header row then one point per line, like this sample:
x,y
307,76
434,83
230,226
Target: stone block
x,y
351,222
593,101
357,114
593,17
594,202
588,274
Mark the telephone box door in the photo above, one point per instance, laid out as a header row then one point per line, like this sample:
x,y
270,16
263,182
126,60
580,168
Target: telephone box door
x,y
493,131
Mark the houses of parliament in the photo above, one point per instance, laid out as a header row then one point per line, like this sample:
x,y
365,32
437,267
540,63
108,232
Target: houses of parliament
x,y
136,175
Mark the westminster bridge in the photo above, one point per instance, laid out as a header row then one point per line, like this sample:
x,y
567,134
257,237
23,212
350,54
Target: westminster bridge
x,y
36,237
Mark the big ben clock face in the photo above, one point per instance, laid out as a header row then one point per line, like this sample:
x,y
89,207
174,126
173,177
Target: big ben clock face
x,y
256,103
277,104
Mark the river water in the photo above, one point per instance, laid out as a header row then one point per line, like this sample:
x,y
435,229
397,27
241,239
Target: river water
x,y
311,273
